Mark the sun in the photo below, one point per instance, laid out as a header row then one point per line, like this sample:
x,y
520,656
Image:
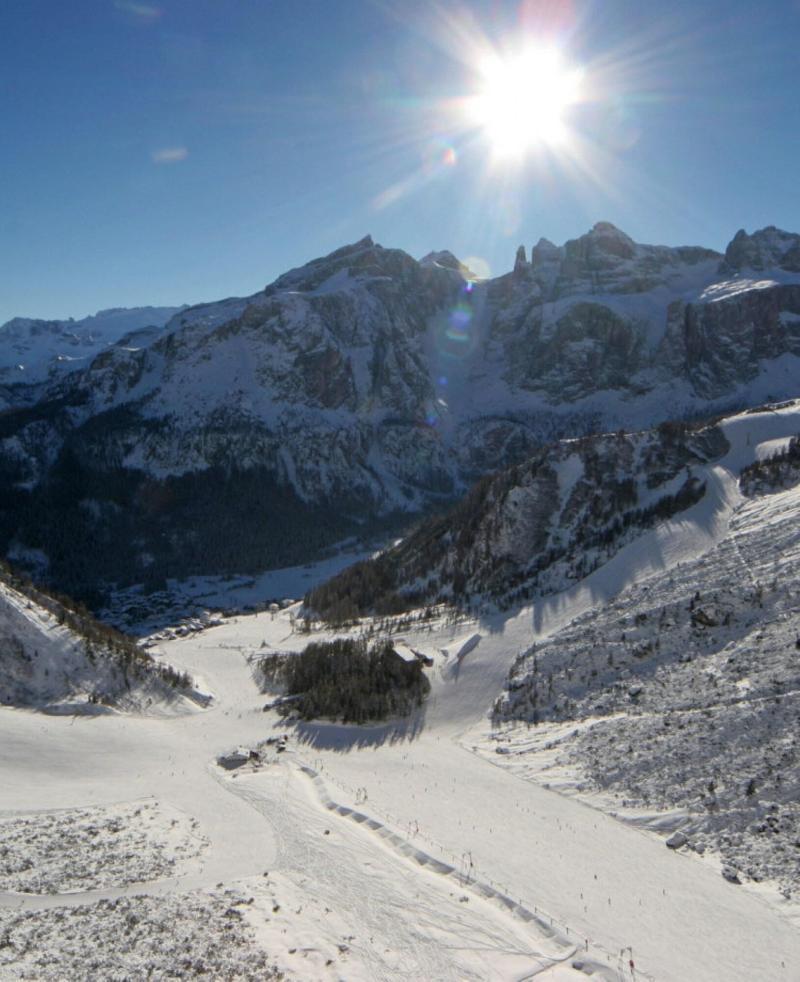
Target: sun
x,y
524,99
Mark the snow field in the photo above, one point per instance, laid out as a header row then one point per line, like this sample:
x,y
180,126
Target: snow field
x,y
404,847
391,924
374,912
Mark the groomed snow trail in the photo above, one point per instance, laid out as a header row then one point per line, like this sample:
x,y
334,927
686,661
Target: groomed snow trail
x,y
395,919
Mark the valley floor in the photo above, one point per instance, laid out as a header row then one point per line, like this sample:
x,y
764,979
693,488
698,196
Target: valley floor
x,y
388,852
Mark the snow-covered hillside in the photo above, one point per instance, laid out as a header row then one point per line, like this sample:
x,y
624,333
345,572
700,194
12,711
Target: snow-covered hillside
x,y
56,658
682,696
536,527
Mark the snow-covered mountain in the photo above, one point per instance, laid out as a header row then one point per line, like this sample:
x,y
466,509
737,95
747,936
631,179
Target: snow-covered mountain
x,y
366,383
33,350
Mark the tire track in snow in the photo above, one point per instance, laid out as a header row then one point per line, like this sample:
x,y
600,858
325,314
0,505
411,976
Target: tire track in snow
x,y
352,879
545,925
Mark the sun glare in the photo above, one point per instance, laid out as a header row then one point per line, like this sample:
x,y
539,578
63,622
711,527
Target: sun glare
x,y
524,99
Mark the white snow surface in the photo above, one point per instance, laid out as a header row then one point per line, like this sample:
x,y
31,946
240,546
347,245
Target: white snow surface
x,y
396,851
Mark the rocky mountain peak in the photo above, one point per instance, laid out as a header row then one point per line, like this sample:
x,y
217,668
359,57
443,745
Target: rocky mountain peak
x,y
521,262
544,252
444,258
603,247
767,248
607,238
353,249
364,259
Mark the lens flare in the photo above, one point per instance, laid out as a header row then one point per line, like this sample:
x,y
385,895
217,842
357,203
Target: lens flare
x,y
478,267
460,320
524,99
437,157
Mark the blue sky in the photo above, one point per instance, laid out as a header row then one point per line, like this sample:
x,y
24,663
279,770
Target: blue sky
x,y
184,150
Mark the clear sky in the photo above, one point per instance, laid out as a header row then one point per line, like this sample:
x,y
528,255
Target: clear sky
x,y
175,151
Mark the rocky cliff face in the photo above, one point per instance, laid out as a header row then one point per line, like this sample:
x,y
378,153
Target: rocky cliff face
x,y
606,314
322,377
366,383
725,339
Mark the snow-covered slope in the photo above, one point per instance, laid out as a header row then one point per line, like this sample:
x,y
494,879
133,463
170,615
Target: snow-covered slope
x,y
56,658
677,704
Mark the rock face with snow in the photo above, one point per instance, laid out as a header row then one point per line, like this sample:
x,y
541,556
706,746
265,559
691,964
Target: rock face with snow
x,y
769,248
725,340
322,376
604,313
247,433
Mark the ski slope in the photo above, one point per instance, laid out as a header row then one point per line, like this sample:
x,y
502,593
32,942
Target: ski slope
x,y
396,851
270,821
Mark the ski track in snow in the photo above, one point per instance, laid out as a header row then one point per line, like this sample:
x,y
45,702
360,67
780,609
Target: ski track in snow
x,y
599,880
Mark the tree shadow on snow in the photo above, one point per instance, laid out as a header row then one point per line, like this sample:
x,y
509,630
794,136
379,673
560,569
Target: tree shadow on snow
x,y
344,737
